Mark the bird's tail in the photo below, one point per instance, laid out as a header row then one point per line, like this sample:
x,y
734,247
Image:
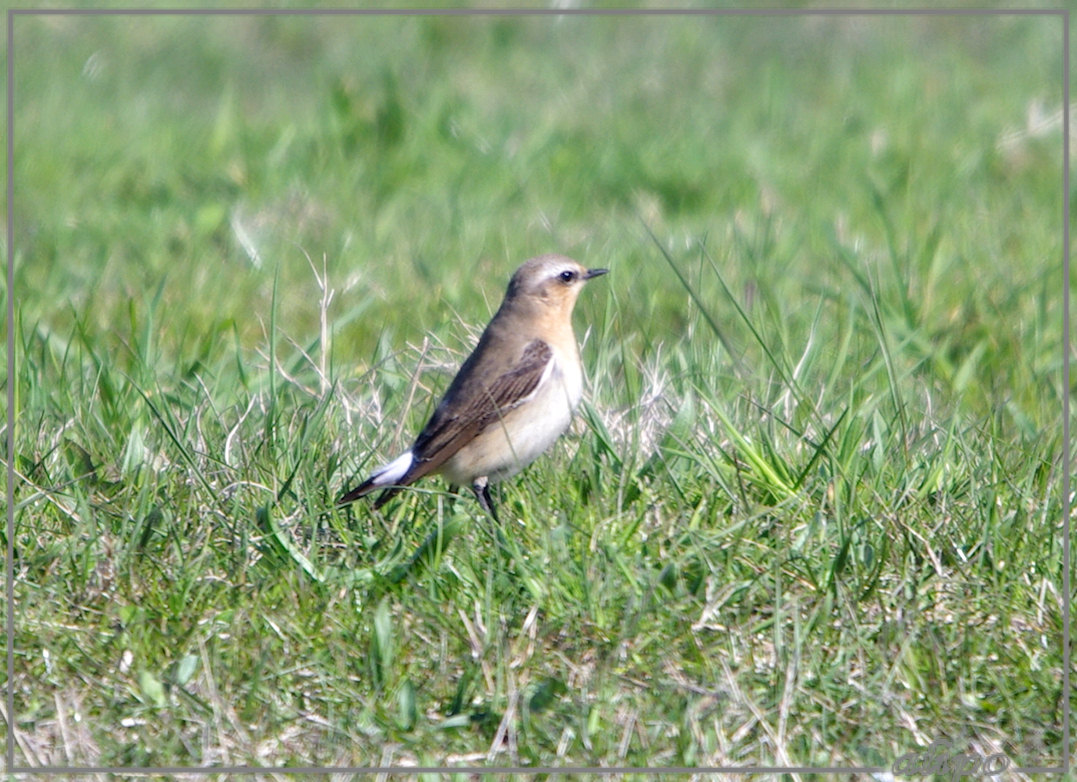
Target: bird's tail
x,y
384,477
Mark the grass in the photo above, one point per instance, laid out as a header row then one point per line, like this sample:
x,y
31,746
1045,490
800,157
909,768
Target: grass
x,y
809,515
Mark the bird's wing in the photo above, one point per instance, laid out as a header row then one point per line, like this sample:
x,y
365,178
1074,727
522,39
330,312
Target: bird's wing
x,y
456,423
462,415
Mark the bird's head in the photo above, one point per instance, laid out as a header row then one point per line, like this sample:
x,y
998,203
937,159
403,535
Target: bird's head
x,y
550,281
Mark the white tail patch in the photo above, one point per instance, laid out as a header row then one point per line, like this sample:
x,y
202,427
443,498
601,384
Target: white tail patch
x,y
393,471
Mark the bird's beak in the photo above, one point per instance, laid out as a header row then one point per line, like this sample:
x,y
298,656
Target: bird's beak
x,y
595,273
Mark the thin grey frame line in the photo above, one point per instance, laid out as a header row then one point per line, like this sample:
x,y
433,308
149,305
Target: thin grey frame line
x,y
603,771
9,565
1066,586
1035,770
539,12
9,557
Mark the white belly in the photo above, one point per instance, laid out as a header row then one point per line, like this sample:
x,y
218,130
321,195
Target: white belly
x,y
523,433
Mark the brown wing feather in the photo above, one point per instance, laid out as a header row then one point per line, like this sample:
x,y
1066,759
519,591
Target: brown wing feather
x,y
453,426
451,429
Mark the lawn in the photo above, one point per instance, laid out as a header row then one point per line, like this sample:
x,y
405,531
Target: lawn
x,y
810,513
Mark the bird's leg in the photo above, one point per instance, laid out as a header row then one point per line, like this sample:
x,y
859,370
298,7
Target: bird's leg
x,y
481,487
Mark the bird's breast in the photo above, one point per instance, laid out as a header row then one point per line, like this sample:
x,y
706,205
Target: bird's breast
x,y
523,433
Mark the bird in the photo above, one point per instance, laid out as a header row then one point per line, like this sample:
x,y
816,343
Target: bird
x,y
512,397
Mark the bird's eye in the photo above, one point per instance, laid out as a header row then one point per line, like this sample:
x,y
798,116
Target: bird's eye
x,y
567,276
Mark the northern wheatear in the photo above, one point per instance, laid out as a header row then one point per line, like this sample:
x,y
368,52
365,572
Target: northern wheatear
x,y
513,396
